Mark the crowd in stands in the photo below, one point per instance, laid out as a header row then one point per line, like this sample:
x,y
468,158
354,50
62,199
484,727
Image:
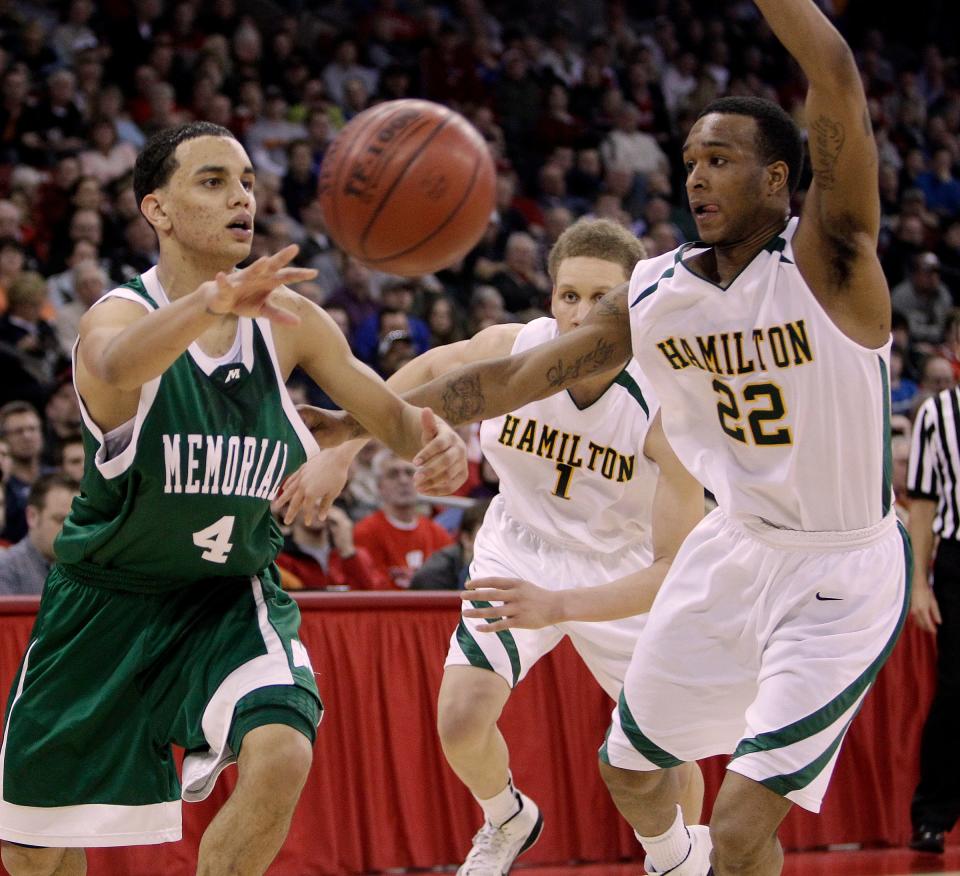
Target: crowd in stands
x,y
584,107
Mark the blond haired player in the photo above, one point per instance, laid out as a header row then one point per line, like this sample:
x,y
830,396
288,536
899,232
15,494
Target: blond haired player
x,y
590,493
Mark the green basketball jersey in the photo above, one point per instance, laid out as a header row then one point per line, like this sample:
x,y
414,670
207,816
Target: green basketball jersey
x,y
188,497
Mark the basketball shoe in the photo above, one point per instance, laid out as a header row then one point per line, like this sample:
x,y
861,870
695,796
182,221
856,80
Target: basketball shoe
x,y
496,848
697,862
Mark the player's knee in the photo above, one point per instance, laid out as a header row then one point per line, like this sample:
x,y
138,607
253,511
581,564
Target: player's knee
x,y
468,710
24,861
277,758
623,783
737,843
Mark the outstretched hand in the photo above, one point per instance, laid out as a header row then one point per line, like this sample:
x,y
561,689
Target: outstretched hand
x,y
248,292
311,489
521,604
442,460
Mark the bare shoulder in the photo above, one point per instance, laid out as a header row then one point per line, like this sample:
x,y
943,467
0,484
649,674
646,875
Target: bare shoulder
x,y
495,340
112,313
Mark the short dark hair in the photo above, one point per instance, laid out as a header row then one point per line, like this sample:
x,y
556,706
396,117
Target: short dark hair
x,y
778,136
156,164
43,485
10,409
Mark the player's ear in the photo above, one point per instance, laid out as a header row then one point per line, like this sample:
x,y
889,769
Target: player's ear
x,y
778,175
153,210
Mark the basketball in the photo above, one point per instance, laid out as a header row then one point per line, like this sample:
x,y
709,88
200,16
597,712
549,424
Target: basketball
x,y
407,187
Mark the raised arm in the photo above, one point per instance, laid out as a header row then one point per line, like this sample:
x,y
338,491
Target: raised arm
x,y
123,345
836,243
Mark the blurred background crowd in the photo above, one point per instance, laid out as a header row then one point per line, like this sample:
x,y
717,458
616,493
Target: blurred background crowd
x,y
583,104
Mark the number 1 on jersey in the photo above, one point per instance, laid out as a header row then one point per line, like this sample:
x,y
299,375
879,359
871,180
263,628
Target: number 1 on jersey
x,y
215,540
564,472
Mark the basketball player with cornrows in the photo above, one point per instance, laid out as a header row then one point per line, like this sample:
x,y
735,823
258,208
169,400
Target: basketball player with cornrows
x,y
593,504
767,343
163,622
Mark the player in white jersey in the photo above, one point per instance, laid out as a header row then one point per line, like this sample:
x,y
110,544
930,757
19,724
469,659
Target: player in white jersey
x,y
767,343
590,493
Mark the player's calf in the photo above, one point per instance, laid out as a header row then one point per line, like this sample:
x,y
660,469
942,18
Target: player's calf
x,y
31,861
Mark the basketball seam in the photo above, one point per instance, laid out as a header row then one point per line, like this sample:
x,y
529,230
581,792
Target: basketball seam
x,y
342,165
397,179
434,232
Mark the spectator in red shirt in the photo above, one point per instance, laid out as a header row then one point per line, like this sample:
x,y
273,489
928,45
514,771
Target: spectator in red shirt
x,y
398,537
322,555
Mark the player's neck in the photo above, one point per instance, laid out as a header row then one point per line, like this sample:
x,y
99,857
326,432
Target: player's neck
x,y
731,259
586,392
180,273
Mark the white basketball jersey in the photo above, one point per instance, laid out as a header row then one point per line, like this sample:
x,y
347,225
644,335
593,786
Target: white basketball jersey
x,y
578,477
765,401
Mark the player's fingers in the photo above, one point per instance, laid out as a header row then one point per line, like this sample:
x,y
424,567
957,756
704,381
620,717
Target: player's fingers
x,y
497,626
935,614
428,426
280,258
317,510
294,504
287,276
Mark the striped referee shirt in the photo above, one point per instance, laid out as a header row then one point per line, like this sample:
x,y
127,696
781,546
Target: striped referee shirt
x,y
934,470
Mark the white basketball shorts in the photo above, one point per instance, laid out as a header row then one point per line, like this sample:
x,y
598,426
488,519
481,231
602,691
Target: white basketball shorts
x,y
762,643
506,548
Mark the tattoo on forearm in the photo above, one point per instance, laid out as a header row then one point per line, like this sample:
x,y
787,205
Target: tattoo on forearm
x,y
462,400
598,359
826,145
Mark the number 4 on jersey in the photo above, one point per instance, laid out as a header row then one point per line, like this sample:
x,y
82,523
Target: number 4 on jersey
x,y
215,540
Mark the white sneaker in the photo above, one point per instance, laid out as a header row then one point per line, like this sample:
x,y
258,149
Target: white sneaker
x,y
697,862
496,848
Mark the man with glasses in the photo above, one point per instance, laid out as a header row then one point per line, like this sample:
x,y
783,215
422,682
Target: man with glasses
x,y
397,537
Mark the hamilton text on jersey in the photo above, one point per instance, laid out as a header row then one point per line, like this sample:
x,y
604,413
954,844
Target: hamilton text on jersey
x,y
213,465
741,352
564,448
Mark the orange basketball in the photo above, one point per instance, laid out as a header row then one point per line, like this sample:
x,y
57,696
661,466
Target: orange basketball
x,y
407,187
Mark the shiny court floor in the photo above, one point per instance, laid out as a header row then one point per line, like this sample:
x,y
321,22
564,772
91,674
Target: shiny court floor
x,y
874,862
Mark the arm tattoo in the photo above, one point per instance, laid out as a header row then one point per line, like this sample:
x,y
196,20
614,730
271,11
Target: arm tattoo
x,y
462,400
598,359
827,142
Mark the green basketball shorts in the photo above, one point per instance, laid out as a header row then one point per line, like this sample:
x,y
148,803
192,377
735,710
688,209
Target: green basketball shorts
x,y
112,678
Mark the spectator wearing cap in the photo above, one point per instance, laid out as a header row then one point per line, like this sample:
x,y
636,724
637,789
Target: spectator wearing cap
x,y
395,350
924,300
396,295
24,567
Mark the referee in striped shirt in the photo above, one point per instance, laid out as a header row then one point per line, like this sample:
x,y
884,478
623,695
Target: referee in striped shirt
x,y
933,483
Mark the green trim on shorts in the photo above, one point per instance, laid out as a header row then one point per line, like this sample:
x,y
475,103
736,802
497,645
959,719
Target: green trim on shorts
x,y
603,754
476,656
650,750
783,785
825,716
275,704
470,648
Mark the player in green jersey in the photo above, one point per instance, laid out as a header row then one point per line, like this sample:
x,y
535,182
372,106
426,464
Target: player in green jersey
x,y
162,622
